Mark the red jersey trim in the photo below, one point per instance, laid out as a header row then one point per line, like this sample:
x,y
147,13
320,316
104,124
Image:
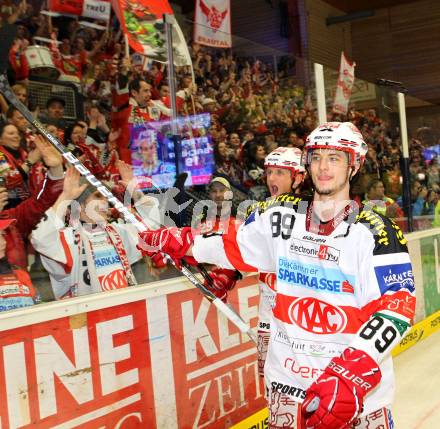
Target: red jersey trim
x,y
69,260
232,251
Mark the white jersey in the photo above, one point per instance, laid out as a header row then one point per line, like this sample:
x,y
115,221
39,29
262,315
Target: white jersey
x,y
80,262
330,282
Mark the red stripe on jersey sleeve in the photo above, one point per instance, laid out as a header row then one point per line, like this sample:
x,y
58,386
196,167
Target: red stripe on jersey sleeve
x,y
232,251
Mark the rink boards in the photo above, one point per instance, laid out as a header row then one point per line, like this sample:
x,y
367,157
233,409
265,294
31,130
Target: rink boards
x,y
154,356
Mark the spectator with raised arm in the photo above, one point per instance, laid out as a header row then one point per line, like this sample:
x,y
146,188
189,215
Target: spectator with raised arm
x,y
15,226
86,253
15,164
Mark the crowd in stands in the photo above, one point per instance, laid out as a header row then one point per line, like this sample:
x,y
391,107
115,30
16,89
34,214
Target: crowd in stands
x,y
253,111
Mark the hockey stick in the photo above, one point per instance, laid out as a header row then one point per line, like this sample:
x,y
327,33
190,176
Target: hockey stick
x,y
231,314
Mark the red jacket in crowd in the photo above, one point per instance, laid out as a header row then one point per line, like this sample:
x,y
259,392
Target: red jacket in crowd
x,y
28,214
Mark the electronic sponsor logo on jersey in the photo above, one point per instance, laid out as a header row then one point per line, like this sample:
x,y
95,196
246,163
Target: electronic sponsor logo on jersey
x,y
316,316
312,348
314,277
395,277
315,250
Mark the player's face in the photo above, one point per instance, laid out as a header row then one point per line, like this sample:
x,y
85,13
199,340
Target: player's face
x,y
279,180
329,171
148,150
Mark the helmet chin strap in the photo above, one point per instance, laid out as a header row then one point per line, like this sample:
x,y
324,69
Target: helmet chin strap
x,y
352,174
294,176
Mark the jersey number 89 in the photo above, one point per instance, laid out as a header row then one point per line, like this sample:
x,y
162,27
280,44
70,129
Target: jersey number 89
x,y
282,224
385,334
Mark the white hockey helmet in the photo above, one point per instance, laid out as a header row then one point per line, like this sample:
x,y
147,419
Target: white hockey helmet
x,y
285,157
342,136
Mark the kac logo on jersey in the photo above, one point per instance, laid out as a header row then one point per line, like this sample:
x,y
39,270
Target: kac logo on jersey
x,y
316,316
395,277
113,280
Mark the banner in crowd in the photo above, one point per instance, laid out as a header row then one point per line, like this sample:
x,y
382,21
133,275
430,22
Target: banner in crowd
x,y
213,23
96,9
142,23
344,85
135,359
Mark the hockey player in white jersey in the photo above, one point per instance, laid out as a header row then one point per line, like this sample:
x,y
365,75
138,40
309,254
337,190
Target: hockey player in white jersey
x,y
345,290
284,174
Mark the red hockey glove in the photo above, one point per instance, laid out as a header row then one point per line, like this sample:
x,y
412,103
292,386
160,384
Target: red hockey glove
x,y
339,392
159,260
174,242
223,280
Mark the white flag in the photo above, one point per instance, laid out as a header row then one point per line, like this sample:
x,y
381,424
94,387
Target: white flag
x,y
212,25
344,85
97,9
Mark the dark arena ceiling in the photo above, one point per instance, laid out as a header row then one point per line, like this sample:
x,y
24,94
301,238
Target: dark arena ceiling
x,y
350,6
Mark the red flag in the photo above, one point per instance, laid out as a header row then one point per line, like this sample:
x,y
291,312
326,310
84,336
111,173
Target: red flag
x,y
142,23
72,7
